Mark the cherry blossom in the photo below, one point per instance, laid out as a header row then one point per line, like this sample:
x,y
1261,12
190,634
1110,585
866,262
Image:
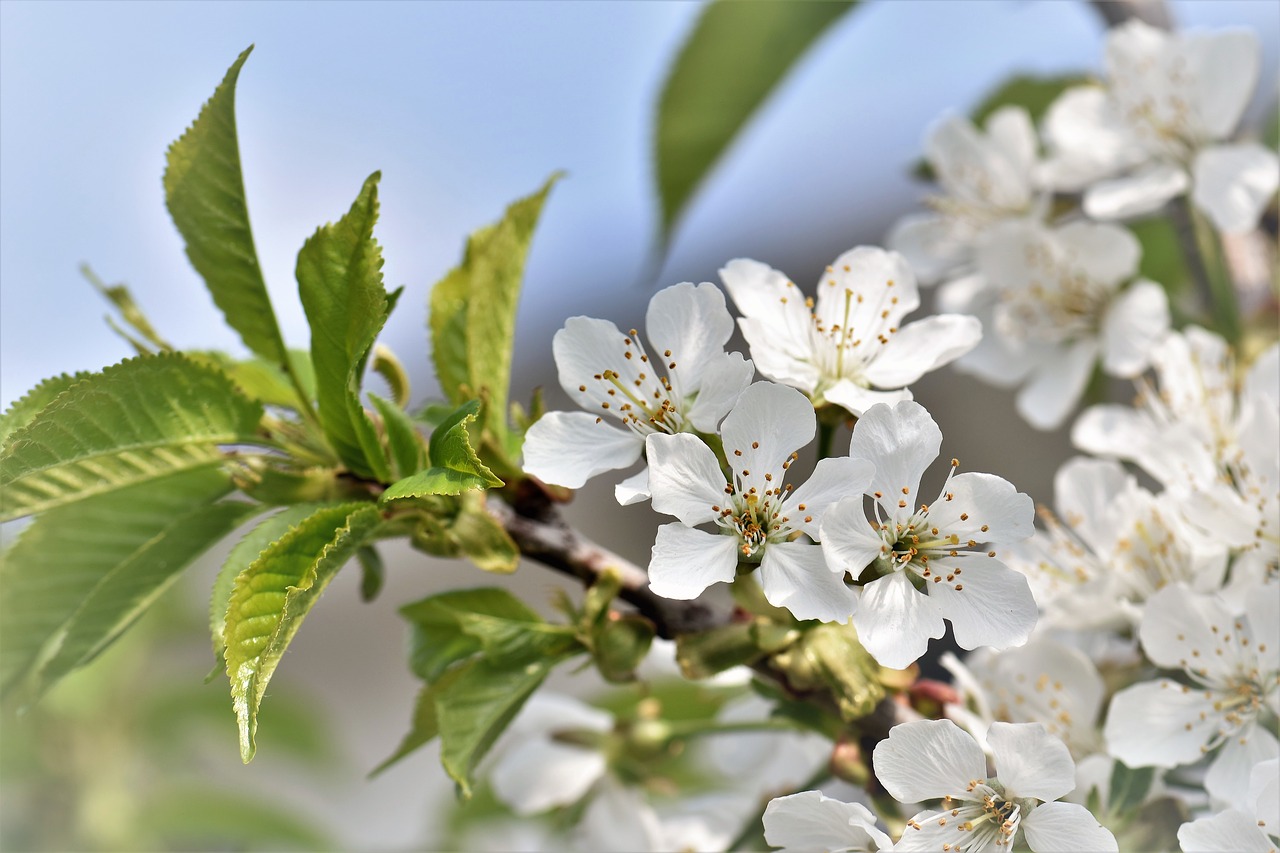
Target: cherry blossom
x,y
935,759
922,563
686,382
1253,829
849,348
811,821
759,519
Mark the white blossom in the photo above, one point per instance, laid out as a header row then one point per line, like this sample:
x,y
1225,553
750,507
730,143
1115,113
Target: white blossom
x,y
759,519
1054,303
928,561
1232,666
684,382
1161,126
810,821
934,759
850,347
1253,828
986,177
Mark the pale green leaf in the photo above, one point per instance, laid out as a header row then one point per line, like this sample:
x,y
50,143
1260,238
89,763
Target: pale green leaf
x,y
264,381
340,281
119,296
438,641
136,421
405,446
736,56
455,467
24,411
102,557
205,817
242,556
473,311
204,191
272,596
386,365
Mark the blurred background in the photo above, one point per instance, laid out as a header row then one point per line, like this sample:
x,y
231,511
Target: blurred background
x,y
464,107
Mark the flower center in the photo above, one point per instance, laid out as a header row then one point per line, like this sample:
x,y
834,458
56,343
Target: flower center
x,y
979,818
643,398
1061,303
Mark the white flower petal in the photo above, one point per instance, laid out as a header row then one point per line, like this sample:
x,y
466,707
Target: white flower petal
x,y
569,448
1262,383
540,774
831,480
927,759
848,542
1084,490
794,575
724,379
1141,192
686,561
1085,139
1227,780
1056,387
930,244
684,477
693,323
634,489
901,440
1066,828
775,321
920,347
1105,253
1183,630
895,621
1223,68
619,820
1030,762
1226,832
867,289
585,348
1234,184
811,821
991,605
1011,131
857,400
972,168
1263,613
769,423
1158,723
1134,323
1264,790
993,509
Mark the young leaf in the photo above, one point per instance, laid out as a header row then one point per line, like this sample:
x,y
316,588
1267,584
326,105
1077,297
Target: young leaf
x,y
24,411
405,447
386,365
247,550
340,281
204,191
263,380
438,640
473,312
272,596
455,467
119,296
736,55
79,574
136,421
372,572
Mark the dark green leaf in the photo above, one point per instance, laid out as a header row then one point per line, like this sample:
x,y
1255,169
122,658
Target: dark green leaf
x,y
455,467
1129,787
372,572
473,312
78,575
136,421
340,281
438,640
271,598
736,56
204,191
405,446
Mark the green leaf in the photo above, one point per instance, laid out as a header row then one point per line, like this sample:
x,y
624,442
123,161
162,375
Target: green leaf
x,y
78,575
205,817
455,467
473,312
1129,787
135,422
1163,260
473,709
736,56
24,411
405,447
271,598
340,282
204,191
242,555
119,296
618,645
372,572
846,668
482,539
1033,92
386,365
423,727
264,381
438,641
706,653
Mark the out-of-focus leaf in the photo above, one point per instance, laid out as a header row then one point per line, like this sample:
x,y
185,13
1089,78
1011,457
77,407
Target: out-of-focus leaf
x,y
736,56
213,818
1129,787
618,645
706,653
137,421
80,574
386,365
438,640
473,313
372,572
846,668
455,467
340,281
423,727
25,410
264,381
405,447
119,296
204,191
1162,260
272,596
1034,93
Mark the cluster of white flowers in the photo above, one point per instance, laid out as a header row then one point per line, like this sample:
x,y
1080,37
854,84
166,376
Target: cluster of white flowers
x,y
1138,627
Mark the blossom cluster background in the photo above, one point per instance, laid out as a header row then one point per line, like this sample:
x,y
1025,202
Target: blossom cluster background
x,y
794,200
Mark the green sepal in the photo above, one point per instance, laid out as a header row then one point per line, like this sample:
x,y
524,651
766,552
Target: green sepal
x,y
455,467
473,314
272,596
339,275
204,191
139,420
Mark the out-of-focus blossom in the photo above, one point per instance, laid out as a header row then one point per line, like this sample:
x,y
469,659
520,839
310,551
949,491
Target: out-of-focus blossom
x,y
810,821
1250,830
